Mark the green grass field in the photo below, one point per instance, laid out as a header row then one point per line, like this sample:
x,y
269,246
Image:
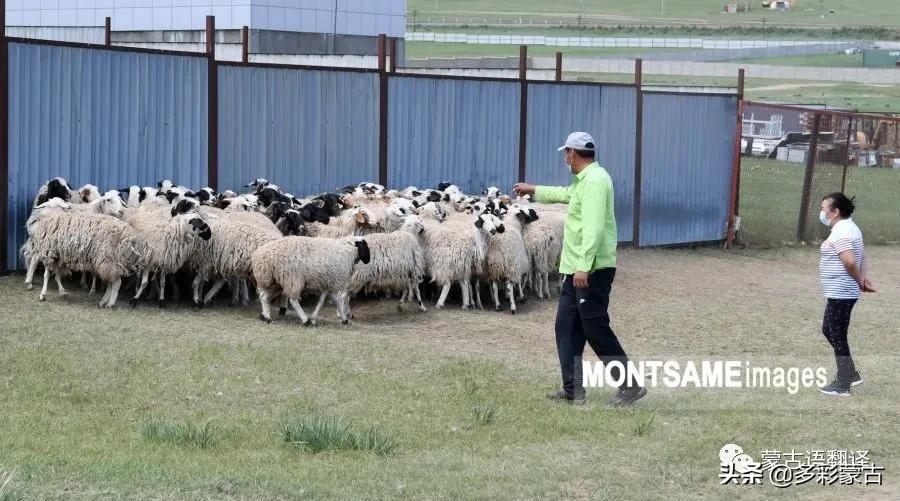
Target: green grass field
x,y
844,95
178,404
826,60
771,191
676,30
421,50
806,12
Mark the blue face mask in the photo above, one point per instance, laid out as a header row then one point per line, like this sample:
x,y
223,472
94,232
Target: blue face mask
x,y
823,217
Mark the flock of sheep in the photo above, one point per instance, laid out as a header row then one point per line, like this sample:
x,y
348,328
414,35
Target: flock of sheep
x,y
361,239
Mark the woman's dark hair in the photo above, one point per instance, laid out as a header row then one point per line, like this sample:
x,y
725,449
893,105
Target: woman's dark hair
x,y
840,202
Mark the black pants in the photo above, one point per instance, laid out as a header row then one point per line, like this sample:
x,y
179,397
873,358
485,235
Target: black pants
x,y
834,326
583,316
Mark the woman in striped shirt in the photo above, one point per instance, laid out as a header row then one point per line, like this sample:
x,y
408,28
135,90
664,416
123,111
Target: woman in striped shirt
x,y
842,272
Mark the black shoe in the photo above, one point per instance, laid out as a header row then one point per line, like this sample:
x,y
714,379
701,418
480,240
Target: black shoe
x,y
857,379
625,397
562,396
834,389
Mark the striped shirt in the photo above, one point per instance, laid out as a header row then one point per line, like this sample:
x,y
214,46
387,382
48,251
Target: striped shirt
x,y
836,282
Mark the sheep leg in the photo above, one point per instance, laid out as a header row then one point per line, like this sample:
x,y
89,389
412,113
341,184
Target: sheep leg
x,y
419,298
235,291
315,314
93,285
464,286
105,298
495,294
406,293
215,290
197,286
478,294
83,282
303,318
29,277
538,285
521,293
284,304
43,295
546,284
511,290
162,290
445,289
342,301
245,292
112,290
265,300
145,277
62,290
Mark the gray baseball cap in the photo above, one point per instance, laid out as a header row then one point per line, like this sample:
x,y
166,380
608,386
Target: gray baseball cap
x,y
579,141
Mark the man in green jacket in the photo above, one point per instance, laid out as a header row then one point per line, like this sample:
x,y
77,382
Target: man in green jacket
x,y
588,264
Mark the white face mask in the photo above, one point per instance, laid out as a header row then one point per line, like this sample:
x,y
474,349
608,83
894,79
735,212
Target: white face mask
x,y
823,217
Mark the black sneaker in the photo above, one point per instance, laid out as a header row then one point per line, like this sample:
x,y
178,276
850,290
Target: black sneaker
x,y
857,379
834,390
625,397
562,396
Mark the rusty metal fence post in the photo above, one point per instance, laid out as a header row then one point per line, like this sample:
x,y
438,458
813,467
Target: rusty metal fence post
x,y
811,155
558,75
846,155
638,151
523,110
382,111
4,138
107,31
733,205
245,44
213,104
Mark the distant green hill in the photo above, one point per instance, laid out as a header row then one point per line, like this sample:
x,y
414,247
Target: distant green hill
x,y
804,12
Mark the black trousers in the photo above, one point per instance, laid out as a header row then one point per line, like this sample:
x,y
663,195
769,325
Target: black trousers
x,y
583,316
835,324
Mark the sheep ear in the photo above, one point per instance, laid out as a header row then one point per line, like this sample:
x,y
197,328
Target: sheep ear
x,y
318,203
479,222
360,218
533,214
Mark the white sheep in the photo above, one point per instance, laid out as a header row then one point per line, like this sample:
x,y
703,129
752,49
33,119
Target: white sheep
x,y
455,250
294,265
226,255
87,242
397,263
171,241
506,260
543,241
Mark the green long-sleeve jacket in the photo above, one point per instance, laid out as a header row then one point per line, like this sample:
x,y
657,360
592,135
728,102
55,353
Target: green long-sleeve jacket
x,y
590,234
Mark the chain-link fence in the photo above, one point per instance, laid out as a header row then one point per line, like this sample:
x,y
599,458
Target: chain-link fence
x,y
791,157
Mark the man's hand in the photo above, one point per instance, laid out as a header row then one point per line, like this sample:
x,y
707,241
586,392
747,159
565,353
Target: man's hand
x,y
867,286
580,279
523,189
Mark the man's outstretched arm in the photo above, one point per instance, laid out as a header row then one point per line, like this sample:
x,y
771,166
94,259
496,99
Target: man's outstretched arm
x,y
544,194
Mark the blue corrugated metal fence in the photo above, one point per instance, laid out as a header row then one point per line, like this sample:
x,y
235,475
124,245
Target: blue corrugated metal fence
x,y
104,117
309,131
115,118
465,132
687,154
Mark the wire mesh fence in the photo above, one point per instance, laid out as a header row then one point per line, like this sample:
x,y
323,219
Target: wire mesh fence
x,y
792,157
